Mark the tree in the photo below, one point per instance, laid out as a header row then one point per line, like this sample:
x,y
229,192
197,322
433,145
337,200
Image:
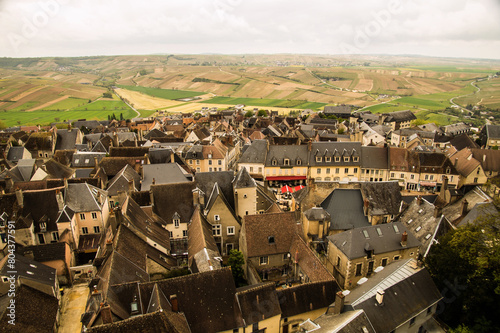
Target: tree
x,y
340,131
236,261
465,265
262,113
107,95
248,114
2,125
143,72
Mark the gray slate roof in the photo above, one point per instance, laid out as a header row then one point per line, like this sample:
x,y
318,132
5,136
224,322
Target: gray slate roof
x,y
256,153
82,197
291,152
374,157
345,207
166,173
353,242
243,180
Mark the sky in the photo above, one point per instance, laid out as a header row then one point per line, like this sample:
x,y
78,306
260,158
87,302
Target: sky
x,y
443,28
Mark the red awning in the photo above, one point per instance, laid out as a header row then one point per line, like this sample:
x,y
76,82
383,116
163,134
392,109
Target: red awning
x,y
286,188
287,178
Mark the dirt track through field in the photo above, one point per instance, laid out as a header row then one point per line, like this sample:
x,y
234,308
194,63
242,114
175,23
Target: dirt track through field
x,y
54,101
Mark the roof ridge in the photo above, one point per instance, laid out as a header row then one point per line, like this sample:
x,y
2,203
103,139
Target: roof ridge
x,y
255,288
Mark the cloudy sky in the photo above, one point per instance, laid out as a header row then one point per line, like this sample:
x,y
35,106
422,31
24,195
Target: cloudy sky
x,y
456,28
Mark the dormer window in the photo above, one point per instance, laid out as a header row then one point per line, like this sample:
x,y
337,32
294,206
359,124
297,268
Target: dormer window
x,y
319,158
209,155
448,170
177,223
337,158
328,159
43,226
299,162
355,159
346,158
270,240
274,162
287,161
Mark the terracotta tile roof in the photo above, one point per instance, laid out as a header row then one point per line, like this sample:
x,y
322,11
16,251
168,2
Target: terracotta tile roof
x,y
308,262
268,234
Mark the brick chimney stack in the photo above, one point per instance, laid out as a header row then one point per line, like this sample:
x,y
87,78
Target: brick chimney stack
x,y
106,315
404,239
174,302
465,206
339,303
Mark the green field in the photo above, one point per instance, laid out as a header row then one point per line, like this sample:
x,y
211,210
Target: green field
x,y
281,103
163,93
15,118
440,119
424,102
67,104
103,105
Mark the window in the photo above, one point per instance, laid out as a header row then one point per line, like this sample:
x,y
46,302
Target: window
x,y
85,230
197,162
426,177
41,239
337,170
346,170
216,217
94,215
55,236
384,262
339,261
392,174
318,158
251,169
219,162
5,279
299,162
96,229
287,161
209,162
230,231
318,171
412,321
177,223
327,170
210,169
355,159
260,169
271,240
396,258
358,269
328,159
346,158
263,260
274,162
475,180
432,177
412,176
82,216
337,158
184,233
285,256
43,226
216,228
171,234
355,170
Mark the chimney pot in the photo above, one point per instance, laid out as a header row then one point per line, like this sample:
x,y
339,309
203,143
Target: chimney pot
x,y
107,317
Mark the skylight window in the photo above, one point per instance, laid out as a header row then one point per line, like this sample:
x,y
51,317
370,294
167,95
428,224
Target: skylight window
x,y
428,236
396,229
270,239
410,221
379,231
418,228
365,233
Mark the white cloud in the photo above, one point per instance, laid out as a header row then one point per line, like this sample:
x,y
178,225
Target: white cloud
x,y
69,27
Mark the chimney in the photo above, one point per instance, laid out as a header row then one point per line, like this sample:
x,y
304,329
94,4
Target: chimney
x,y
366,204
484,158
106,316
309,145
339,303
419,200
153,182
465,205
404,239
174,302
65,182
109,246
172,157
20,198
437,211
444,187
380,297
146,159
456,162
9,184
115,140
131,187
